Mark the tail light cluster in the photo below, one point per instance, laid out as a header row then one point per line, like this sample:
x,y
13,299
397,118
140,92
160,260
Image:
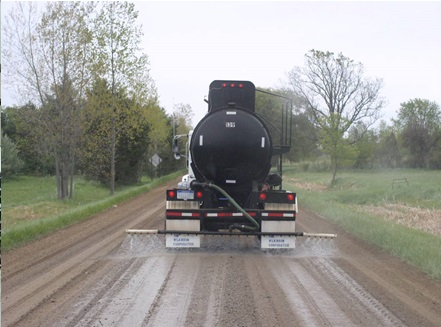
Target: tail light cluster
x,y
175,195
232,85
277,197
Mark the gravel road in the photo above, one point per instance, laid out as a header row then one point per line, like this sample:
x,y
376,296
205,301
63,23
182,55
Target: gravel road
x,y
92,274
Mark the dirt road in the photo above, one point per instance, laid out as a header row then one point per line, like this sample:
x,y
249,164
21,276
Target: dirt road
x,y
92,274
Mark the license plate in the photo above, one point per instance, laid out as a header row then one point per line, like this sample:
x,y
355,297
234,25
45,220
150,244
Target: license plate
x,y
185,195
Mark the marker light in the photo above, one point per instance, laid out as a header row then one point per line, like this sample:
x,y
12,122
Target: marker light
x,y
199,194
290,197
171,194
262,196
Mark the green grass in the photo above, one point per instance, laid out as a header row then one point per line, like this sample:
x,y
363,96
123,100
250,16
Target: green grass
x,y
31,208
28,198
374,188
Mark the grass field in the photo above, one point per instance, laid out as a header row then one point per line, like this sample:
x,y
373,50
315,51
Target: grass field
x,y
403,218
30,207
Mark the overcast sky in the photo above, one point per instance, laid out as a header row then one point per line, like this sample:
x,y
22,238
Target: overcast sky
x,y
191,44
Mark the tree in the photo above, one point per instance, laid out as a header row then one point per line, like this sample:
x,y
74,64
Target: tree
x,y
336,95
11,162
119,61
132,128
183,115
161,134
419,122
365,145
47,58
22,126
54,56
387,149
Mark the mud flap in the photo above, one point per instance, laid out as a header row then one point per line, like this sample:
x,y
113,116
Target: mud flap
x,y
278,241
182,240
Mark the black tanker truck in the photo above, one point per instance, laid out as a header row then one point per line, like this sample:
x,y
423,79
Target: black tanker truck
x,y
231,187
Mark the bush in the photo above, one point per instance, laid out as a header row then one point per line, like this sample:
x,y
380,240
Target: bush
x,y
11,162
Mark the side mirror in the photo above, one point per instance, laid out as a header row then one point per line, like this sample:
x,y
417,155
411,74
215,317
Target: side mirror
x,y
175,149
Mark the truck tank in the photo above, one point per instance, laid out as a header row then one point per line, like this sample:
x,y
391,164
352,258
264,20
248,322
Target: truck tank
x,y
231,146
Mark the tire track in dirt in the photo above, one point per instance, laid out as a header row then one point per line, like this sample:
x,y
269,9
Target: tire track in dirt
x,y
170,308
205,307
410,295
273,305
322,294
35,275
237,306
97,276
360,306
291,279
122,301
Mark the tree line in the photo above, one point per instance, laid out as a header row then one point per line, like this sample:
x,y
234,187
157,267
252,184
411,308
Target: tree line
x,y
336,119
412,140
93,107
92,104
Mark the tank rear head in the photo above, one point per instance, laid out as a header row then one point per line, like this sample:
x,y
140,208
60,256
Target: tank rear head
x,y
231,94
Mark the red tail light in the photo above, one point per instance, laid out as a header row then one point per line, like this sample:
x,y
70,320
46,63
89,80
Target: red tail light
x,y
262,196
171,194
290,197
199,195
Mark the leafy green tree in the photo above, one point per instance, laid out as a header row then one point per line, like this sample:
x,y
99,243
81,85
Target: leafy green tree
x,y
46,60
336,95
11,162
365,142
118,59
161,134
22,125
419,123
304,139
132,129
341,149
387,148
132,149
53,56
8,125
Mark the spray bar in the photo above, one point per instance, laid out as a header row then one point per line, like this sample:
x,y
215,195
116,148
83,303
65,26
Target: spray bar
x,y
226,233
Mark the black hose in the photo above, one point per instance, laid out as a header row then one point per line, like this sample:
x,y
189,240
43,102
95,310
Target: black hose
x,y
236,205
